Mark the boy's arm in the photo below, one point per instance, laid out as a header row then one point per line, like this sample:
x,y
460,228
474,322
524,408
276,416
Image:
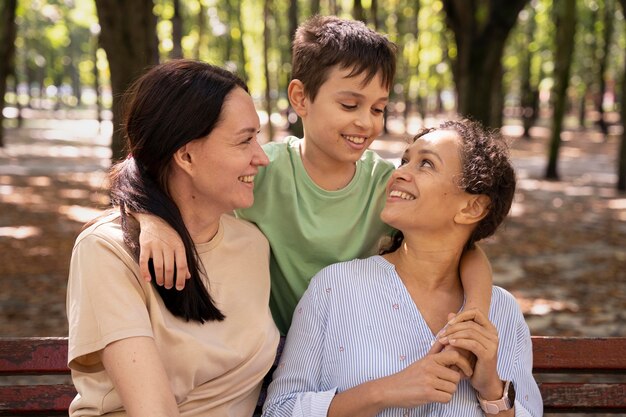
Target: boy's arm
x,y
477,280
476,276
162,248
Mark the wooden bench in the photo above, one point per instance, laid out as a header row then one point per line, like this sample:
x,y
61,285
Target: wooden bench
x,y
576,375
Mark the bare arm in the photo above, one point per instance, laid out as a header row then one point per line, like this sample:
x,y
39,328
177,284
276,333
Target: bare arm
x,y
477,280
160,242
139,377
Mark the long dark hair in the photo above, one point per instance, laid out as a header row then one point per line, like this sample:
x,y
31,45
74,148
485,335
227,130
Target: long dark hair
x,y
169,106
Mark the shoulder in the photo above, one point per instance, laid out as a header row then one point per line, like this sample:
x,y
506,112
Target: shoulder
x,y
348,275
376,166
106,229
103,239
505,311
242,228
281,149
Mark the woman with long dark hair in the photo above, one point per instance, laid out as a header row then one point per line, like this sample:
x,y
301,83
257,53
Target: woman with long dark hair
x,y
140,349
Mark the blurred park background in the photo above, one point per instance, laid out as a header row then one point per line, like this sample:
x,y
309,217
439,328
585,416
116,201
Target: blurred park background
x,y
550,74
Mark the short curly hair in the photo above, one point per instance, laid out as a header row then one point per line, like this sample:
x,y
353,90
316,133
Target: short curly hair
x,y
486,169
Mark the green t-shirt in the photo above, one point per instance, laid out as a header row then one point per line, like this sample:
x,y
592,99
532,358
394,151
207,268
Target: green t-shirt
x,y
310,228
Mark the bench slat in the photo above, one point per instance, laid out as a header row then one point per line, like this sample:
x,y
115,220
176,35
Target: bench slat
x,y
563,397
27,399
556,355
41,356
571,354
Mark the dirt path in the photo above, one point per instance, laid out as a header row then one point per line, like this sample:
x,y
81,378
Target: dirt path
x,y
562,251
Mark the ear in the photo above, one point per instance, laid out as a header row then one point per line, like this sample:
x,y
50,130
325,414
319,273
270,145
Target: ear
x,y
183,158
475,209
297,97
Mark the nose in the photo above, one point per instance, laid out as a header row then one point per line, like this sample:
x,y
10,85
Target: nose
x,y
400,173
364,119
259,157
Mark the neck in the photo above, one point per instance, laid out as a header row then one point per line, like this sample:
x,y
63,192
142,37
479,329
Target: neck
x,y
201,221
201,225
431,277
326,172
431,267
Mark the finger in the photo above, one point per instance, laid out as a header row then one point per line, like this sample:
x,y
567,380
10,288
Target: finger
x,y
182,271
436,347
157,262
168,269
473,314
481,348
144,268
452,358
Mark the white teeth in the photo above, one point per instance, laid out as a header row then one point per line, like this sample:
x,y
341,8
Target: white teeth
x,y
246,178
355,139
402,195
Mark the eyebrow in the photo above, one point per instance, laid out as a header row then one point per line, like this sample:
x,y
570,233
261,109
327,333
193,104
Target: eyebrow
x,y
424,152
247,130
359,95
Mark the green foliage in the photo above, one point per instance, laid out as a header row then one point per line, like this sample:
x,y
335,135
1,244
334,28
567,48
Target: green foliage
x,y
56,41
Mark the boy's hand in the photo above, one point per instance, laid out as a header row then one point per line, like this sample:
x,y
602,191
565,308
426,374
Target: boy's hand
x,y
472,331
469,356
162,249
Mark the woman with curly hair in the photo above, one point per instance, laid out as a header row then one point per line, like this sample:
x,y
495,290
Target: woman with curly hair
x,y
369,336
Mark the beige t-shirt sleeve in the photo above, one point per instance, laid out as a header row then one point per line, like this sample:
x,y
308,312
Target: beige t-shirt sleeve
x,y
106,300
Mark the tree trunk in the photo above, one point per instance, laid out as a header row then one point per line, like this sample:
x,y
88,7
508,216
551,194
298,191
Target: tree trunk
x,y
266,68
607,35
294,122
128,36
202,26
315,7
480,31
374,14
177,32
8,31
243,73
565,19
621,165
529,92
357,11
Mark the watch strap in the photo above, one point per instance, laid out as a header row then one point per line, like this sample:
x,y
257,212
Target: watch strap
x,y
495,406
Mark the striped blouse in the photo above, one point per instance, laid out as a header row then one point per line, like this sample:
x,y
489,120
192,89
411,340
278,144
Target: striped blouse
x,y
357,322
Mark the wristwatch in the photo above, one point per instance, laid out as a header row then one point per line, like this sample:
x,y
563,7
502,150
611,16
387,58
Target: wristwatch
x,y
505,403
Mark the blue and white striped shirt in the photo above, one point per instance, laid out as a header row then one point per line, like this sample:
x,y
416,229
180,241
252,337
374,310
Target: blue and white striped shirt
x,y
357,322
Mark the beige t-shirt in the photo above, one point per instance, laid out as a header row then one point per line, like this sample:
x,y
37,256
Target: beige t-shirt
x,y
215,368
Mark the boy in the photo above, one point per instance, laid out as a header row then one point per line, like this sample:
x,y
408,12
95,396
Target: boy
x,y
319,200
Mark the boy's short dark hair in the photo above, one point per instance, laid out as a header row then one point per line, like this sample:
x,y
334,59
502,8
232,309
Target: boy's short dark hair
x,y
323,42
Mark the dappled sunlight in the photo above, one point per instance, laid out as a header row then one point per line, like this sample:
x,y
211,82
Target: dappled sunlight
x,y
617,204
542,306
20,196
19,232
40,181
79,213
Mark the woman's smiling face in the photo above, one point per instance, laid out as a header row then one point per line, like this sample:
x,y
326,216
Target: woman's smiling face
x,y
423,192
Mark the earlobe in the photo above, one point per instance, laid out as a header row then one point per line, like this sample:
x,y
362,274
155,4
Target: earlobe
x,y
297,97
475,210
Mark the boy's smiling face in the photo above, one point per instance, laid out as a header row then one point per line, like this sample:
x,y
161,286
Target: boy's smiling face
x,y
344,119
